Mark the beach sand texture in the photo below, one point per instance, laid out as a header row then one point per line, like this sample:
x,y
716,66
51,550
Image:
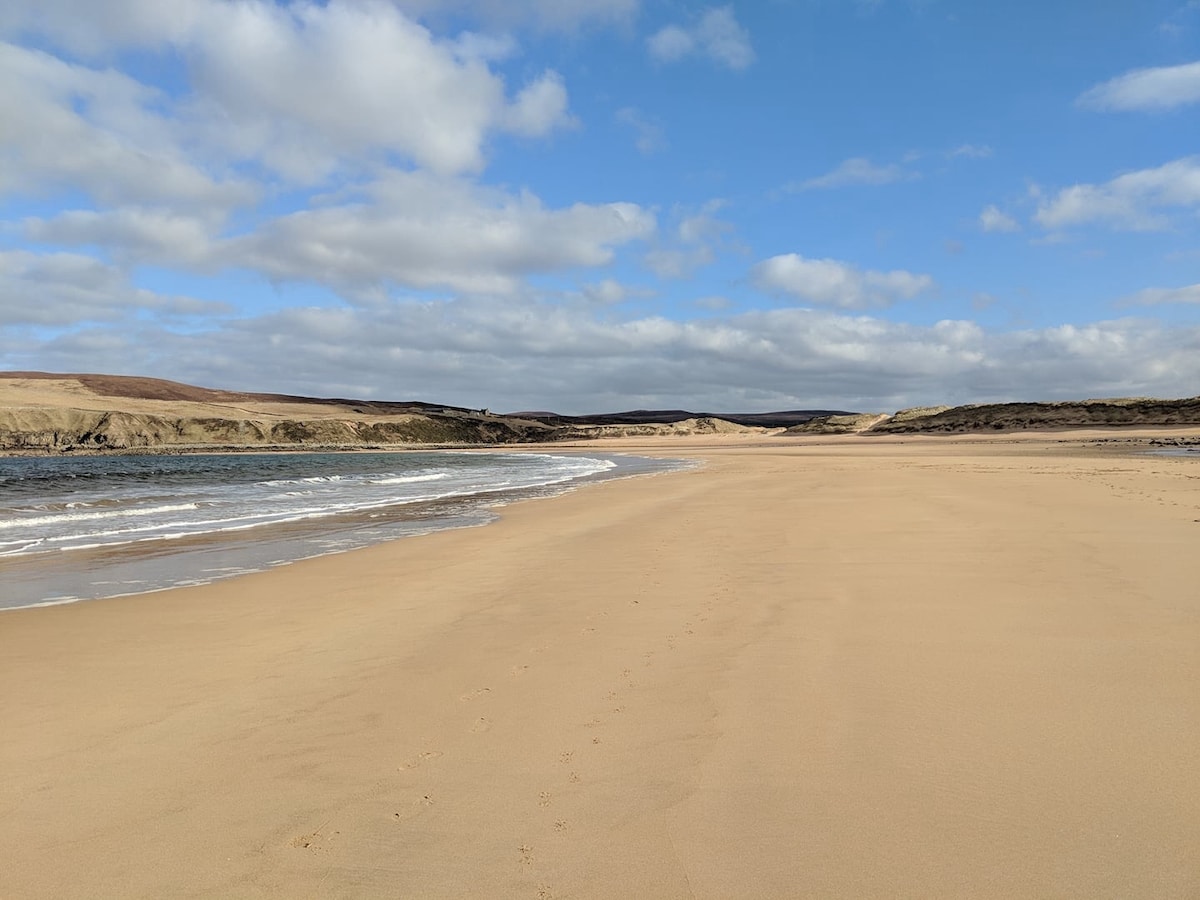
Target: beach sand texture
x,y
859,669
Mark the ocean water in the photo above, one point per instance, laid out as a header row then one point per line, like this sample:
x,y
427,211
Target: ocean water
x,y
90,527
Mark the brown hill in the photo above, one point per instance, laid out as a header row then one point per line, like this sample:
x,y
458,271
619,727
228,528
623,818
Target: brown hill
x,y
993,417
41,412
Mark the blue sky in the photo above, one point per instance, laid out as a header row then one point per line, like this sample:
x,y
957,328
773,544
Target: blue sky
x,y
589,205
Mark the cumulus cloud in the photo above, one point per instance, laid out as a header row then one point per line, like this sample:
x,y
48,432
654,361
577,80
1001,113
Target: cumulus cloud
x,y
992,219
828,282
1142,90
540,107
70,127
474,352
306,86
303,88
715,35
58,289
133,235
407,229
1134,201
1156,296
552,15
96,28
677,262
420,231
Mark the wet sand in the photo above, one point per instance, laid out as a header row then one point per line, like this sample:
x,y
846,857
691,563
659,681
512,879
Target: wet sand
x,y
857,668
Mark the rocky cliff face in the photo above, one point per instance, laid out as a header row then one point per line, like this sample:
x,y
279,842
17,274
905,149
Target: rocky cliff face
x,y
58,430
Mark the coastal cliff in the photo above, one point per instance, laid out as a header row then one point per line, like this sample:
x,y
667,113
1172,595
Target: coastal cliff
x,y
45,413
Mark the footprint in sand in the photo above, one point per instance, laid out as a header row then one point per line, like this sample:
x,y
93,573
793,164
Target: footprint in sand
x,y
481,725
316,841
478,692
419,759
517,671
526,854
560,825
413,808
544,799
566,756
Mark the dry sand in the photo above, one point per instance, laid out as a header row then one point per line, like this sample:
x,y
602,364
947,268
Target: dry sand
x,y
861,669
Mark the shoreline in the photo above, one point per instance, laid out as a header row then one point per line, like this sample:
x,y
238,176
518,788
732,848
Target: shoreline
x,y
1116,434
874,671
186,560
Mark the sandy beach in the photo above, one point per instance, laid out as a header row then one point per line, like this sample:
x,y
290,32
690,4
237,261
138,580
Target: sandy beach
x,y
855,668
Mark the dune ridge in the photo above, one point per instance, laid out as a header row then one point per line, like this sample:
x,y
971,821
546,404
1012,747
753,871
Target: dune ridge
x,y
47,413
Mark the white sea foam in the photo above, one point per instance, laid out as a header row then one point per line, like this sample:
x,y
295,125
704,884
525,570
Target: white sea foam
x,y
75,518
177,516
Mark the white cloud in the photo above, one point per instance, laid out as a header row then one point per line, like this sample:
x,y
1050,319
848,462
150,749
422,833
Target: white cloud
x,y
134,235
554,15
540,107
610,292
1165,87
480,353
305,88
702,225
66,126
649,136
857,171
98,27
1156,296
992,219
691,244
716,35
421,231
1134,201
677,262
409,229
67,289
829,282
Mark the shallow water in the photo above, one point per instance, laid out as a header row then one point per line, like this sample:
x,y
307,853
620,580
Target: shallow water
x,y
90,527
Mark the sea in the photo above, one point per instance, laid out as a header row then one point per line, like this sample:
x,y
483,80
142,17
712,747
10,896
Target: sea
x,y
86,528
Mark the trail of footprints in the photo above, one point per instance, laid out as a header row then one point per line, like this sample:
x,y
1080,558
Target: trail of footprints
x,y
569,762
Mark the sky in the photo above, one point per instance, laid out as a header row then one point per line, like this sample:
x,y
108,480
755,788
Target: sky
x,y
600,205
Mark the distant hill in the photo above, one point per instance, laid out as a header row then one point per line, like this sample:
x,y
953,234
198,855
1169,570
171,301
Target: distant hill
x,y
42,412
783,419
993,417
46,412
